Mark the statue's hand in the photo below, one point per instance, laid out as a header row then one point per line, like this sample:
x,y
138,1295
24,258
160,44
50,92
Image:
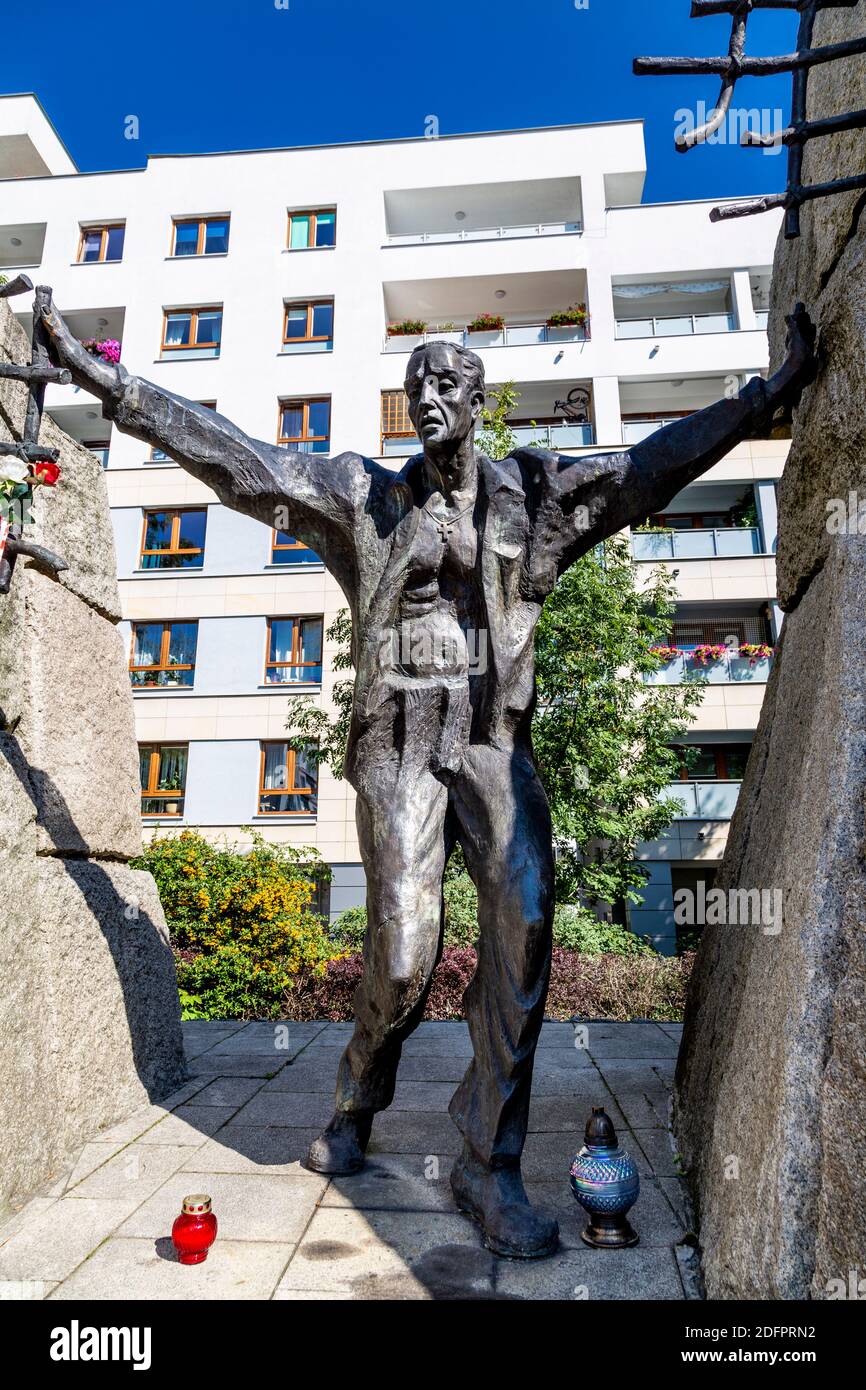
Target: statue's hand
x,y
102,378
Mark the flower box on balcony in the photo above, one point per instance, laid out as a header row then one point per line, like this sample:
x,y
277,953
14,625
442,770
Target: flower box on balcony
x,y
566,323
106,349
487,330
708,654
406,336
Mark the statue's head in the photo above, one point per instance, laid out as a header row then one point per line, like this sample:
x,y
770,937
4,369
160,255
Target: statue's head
x,y
445,386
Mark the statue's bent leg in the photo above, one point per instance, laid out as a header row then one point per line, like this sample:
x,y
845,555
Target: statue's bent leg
x,y
401,829
504,827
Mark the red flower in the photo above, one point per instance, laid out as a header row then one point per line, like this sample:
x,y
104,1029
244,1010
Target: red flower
x,y
46,472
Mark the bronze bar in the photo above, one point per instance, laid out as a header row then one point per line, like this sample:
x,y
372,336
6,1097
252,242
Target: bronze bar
x,y
20,285
12,371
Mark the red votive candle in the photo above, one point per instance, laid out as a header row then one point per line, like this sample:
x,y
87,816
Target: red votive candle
x,y
194,1231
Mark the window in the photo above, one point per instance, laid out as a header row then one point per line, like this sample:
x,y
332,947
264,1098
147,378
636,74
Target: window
x,y
719,762
285,550
99,447
159,455
163,654
192,332
309,326
173,540
288,781
397,429
306,425
163,778
294,651
101,243
312,228
200,236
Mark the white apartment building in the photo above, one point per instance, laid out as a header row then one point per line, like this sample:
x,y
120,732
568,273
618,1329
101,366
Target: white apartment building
x,y
264,283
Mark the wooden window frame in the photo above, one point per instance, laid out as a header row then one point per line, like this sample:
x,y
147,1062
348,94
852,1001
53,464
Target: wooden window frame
x,y
202,234
394,433
296,545
193,345
155,750
309,305
314,214
164,646
174,549
296,642
104,229
288,790
305,437
721,764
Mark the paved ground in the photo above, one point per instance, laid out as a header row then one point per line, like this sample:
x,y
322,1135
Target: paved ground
x,y
258,1094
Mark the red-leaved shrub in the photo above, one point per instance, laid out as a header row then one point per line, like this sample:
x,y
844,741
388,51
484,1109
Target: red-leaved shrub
x,y
607,986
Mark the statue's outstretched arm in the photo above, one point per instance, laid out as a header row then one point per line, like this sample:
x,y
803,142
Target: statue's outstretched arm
x,y
308,495
599,494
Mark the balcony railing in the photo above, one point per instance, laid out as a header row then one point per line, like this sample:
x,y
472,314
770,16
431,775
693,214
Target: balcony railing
x,y
675,325
541,436
512,335
696,544
705,800
762,317
633,431
730,669
522,229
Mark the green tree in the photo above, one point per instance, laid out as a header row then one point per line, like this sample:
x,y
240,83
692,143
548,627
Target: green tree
x,y
602,736
325,737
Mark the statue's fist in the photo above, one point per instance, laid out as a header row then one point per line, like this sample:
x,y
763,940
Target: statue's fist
x,y
802,335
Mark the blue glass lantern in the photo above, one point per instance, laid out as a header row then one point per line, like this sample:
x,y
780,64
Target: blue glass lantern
x,y
605,1182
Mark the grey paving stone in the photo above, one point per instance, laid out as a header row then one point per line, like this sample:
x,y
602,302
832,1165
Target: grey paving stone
x,y
677,1194
189,1124
555,1061
584,1083
555,1034
13,1223
394,1182
248,1206
660,1046
657,1145
183,1093
645,1111
133,1173
286,1108
25,1290
640,1273
133,1126
426,1097
131,1269
380,1254
312,1078
569,1114
241,1149
92,1156
63,1235
653,1070
402,1131
227,1064
230,1090
438,1045
419,1067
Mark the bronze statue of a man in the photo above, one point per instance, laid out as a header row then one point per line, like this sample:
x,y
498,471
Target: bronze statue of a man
x,y
454,552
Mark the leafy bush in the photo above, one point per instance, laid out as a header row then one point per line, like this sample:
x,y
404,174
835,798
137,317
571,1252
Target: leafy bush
x,y
461,916
242,924
606,986
578,929
349,928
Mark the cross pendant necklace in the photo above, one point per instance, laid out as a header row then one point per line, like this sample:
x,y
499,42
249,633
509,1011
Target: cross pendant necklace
x,y
445,525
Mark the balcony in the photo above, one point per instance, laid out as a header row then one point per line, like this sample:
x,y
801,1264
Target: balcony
x,y
21,245
728,669
716,543
512,335
483,212
704,800
673,308
675,325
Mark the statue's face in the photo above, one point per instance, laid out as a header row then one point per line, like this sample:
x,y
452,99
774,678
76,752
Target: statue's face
x,y
444,404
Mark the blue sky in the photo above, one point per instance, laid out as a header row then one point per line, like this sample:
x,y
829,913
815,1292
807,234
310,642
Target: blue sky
x,y
239,74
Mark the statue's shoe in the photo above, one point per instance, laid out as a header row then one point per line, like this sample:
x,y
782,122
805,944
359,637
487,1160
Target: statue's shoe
x,y
339,1149
497,1200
